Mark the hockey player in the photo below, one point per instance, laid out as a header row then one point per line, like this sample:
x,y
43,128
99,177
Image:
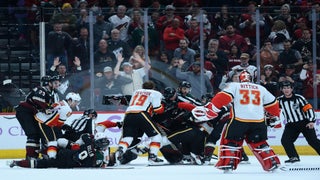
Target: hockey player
x,y
39,99
250,101
184,95
143,104
86,155
186,138
50,124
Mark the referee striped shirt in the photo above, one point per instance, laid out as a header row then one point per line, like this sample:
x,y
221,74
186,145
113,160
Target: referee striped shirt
x,y
296,108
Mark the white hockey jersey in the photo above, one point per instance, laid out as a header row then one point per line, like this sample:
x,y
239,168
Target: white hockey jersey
x,y
249,101
146,100
60,112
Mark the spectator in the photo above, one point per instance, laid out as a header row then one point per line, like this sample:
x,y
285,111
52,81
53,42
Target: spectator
x,y
248,22
217,62
101,29
231,38
156,6
83,20
103,57
286,17
185,53
290,56
66,18
136,18
221,20
110,6
165,21
116,45
231,76
244,65
193,34
171,37
138,58
301,24
81,50
194,78
109,84
136,75
69,82
172,68
121,22
136,6
153,38
293,77
195,13
304,45
234,56
269,79
306,75
267,56
58,45
278,35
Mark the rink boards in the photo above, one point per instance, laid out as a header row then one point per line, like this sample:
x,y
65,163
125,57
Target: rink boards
x,y
12,137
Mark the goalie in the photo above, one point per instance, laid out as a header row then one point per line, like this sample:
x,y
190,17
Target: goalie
x,y
250,101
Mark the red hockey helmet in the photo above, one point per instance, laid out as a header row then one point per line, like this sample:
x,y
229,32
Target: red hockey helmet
x,y
245,76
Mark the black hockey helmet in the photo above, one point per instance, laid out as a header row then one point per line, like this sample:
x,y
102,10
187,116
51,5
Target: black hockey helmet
x,y
184,84
286,83
45,80
101,141
55,78
90,111
169,92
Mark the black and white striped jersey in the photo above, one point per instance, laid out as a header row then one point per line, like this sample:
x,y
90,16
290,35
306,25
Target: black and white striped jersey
x,y
296,108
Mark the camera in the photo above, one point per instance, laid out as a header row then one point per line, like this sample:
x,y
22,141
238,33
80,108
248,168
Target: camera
x,y
116,99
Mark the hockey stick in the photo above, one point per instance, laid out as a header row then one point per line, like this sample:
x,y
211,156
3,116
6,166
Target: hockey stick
x,y
299,168
6,117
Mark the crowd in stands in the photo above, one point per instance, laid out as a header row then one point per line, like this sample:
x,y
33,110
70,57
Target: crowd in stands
x,y
229,34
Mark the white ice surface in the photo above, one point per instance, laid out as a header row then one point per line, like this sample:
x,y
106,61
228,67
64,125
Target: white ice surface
x,y
251,171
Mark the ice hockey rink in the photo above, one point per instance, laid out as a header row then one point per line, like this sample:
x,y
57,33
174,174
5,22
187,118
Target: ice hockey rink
x,y
309,169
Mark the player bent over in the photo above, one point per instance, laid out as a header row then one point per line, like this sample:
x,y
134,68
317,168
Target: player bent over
x,y
143,103
247,123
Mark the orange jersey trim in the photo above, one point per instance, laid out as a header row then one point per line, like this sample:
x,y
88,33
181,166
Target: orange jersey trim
x,y
273,108
221,99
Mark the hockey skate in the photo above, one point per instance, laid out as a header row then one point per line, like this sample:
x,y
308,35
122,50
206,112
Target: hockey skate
x,y
292,161
197,159
244,159
12,164
118,156
153,160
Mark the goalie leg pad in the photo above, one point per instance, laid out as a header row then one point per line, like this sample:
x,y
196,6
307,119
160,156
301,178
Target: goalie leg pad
x,y
265,154
229,156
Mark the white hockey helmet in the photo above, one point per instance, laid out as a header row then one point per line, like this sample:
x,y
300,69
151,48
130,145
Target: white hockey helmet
x,y
75,97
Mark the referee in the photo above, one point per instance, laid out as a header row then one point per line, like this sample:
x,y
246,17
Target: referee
x,y
300,118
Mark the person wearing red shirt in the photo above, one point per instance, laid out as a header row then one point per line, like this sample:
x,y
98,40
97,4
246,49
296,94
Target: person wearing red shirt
x,y
232,38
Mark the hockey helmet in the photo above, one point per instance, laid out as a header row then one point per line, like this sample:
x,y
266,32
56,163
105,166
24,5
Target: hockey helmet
x,y
73,96
90,111
286,83
45,80
169,92
55,78
245,76
101,141
185,84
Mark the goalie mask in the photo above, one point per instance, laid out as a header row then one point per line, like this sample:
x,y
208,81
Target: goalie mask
x,y
101,141
245,76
